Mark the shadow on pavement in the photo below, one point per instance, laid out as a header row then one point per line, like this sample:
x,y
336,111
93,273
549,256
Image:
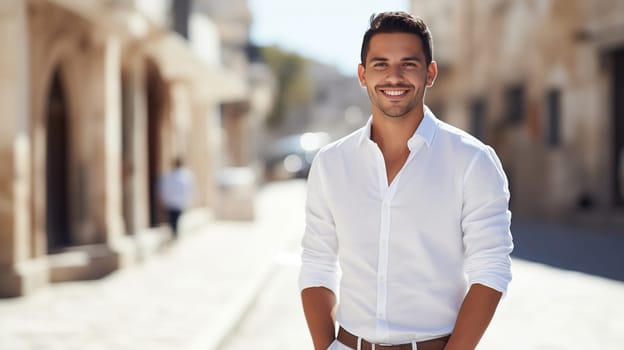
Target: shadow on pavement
x,y
598,252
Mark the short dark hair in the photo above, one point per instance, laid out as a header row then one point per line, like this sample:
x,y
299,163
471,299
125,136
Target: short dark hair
x,y
398,22
178,162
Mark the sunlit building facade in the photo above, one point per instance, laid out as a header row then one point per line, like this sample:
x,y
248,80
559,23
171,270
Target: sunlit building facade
x,y
542,82
96,99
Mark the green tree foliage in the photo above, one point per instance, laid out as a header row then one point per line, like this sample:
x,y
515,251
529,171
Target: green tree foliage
x,y
294,87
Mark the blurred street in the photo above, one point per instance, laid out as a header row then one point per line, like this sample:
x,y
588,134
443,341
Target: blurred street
x,y
233,286
102,100
188,297
546,307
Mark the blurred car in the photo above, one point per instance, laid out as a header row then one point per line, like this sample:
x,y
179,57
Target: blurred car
x,y
291,156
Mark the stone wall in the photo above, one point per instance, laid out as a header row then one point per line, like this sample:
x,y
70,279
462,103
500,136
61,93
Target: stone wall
x,y
93,112
510,63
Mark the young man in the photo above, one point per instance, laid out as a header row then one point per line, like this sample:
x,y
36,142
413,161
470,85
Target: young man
x,y
413,211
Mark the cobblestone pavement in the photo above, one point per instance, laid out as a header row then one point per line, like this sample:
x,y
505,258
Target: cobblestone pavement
x,y
559,297
192,296
549,308
276,321
546,308
185,298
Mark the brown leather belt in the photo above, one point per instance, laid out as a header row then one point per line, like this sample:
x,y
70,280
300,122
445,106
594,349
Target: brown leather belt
x,y
351,341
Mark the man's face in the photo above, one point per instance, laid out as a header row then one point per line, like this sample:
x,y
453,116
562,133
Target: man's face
x,y
396,73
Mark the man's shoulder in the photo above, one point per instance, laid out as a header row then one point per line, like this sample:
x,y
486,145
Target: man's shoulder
x,y
459,139
341,146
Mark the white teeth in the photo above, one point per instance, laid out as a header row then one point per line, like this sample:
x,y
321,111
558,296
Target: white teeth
x,y
394,93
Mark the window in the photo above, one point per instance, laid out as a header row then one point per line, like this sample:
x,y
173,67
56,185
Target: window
x,y
477,115
553,110
515,104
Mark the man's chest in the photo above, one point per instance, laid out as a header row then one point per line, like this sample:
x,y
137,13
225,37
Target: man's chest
x,y
424,194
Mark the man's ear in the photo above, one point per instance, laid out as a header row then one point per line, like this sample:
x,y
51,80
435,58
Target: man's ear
x,y
361,76
432,73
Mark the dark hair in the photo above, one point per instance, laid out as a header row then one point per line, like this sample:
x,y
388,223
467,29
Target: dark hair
x,y
398,22
178,162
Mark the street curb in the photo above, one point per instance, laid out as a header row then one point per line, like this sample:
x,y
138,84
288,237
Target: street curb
x,y
239,305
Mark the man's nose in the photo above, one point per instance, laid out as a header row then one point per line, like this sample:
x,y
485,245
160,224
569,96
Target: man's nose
x,y
395,74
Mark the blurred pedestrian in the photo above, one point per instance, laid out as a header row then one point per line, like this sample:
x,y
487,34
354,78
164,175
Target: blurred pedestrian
x,y
176,189
412,211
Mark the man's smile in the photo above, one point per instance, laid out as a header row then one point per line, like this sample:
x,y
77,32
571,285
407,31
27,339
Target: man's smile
x,y
394,92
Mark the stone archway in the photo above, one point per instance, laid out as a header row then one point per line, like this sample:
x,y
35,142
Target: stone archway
x,y
50,47
75,159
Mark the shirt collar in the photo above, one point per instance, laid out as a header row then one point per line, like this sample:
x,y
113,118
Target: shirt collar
x,y
365,133
426,130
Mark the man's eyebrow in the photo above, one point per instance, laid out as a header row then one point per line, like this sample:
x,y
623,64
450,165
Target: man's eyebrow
x,y
413,58
376,59
384,59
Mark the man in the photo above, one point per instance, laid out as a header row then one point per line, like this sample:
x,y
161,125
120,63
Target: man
x,y
412,211
176,189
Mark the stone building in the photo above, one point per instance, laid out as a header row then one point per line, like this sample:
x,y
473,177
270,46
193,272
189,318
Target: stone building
x,y
241,121
542,81
232,20
339,105
96,98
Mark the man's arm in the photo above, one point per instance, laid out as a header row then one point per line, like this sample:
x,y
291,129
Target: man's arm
x,y
319,275
319,307
486,221
474,317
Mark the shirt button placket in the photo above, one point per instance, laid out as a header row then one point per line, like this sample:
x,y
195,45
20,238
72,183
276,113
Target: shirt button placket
x,y
382,268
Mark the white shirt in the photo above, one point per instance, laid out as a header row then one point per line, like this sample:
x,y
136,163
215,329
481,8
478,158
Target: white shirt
x,y
176,188
408,251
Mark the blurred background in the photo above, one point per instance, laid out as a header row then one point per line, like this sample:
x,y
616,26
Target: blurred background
x,y
97,97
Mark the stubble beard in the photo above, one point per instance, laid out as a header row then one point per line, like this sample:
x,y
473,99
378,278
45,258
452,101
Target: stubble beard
x,y
398,112
395,111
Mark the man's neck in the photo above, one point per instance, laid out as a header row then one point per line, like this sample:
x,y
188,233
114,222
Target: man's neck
x,y
392,133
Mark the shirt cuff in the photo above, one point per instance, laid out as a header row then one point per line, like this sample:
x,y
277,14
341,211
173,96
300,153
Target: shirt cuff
x,y
327,279
495,281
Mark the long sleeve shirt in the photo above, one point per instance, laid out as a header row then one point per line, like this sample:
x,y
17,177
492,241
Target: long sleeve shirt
x,y
401,256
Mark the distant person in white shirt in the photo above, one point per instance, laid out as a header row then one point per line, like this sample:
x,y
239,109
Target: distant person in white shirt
x,y
407,218
176,189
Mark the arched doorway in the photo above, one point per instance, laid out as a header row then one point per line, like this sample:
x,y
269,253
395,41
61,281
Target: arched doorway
x,y
156,105
57,165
